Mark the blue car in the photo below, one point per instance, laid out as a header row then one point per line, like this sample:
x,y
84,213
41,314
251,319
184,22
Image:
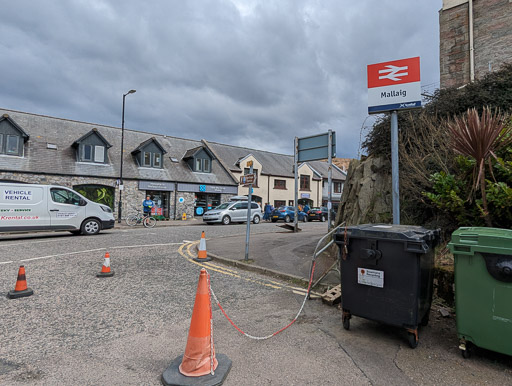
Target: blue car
x,y
287,214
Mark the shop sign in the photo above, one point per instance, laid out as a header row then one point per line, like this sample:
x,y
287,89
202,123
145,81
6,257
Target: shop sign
x,y
156,185
304,195
196,188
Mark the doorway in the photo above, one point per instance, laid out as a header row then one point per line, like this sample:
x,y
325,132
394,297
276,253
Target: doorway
x,y
161,200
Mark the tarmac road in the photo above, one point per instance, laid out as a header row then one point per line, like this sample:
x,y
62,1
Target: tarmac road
x,y
79,329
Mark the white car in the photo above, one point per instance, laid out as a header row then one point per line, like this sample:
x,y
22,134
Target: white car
x,y
233,211
38,208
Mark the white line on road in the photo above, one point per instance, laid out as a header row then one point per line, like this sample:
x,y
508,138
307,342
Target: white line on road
x,y
25,243
62,254
145,246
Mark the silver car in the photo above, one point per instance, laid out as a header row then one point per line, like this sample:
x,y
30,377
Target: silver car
x,y
234,211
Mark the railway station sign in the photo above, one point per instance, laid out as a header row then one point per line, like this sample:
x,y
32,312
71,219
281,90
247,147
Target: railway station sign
x,y
394,85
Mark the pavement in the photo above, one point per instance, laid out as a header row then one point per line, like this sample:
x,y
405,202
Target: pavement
x,y
280,253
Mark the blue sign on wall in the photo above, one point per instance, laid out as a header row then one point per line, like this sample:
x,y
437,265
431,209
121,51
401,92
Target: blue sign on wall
x,y
199,211
202,188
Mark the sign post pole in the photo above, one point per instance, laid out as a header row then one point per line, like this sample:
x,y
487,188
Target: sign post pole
x,y
296,205
329,182
394,168
249,212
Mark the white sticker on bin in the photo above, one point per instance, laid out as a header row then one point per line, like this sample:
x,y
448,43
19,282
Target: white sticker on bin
x,y
370,277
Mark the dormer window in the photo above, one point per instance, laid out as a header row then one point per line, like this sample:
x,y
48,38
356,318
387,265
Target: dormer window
x,y
149,154
12,137
199,159
92,147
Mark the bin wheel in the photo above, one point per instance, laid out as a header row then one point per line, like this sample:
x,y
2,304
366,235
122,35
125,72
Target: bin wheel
x,y
425,320
413,340
346,323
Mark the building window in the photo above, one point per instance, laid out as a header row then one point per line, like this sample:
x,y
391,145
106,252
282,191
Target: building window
x,y
99,154
337,187
91,153
304,182
157,160
199,167
279,203
146,159
206,164
1,143
12,144
86,153
279,184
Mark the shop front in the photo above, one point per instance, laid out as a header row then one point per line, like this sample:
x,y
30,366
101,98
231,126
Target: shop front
x,y
305,199
160,193
206,197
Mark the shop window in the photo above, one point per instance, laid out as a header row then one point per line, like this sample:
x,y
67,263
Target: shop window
x,y
279,203
280,184
304,182
337,187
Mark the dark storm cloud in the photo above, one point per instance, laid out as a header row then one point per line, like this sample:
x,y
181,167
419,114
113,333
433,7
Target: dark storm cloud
x,y
252,73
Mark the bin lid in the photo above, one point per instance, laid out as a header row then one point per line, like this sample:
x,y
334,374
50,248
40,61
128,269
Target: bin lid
x,y
481,239
390,232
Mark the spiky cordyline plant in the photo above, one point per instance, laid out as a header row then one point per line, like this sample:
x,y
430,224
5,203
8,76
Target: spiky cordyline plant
x,y
480,137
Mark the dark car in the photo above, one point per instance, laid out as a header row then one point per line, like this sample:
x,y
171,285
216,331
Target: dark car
x,y
287,213
320,214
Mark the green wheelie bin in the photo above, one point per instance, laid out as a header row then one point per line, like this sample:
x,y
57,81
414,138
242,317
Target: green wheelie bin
x,y
483,288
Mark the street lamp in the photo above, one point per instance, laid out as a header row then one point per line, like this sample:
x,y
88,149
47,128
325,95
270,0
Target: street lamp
x,y
121,186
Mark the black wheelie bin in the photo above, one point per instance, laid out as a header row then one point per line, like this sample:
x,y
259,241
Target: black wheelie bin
x,y
387,274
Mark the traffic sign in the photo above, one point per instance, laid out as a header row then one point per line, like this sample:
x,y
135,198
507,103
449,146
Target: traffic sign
x,y
316,147
247,179
394,85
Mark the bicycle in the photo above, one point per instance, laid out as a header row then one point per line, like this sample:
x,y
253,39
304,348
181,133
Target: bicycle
x,y
140,218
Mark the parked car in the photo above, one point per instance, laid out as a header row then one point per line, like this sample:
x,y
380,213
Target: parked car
x,y
320,214
33,208
233,211
287,213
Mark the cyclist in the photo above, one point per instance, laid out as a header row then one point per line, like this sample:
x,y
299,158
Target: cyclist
x,y
147,205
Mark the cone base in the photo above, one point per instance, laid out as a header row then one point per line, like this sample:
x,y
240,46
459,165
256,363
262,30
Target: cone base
x,y
199,260
20,294
173,377
105,274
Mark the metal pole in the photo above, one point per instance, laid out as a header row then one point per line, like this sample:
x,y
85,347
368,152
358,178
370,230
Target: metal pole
x,y
329,182
121,186
394,168
249,212
296,172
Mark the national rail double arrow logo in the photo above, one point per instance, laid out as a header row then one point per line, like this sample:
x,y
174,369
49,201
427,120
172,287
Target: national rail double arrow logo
x,y
393,72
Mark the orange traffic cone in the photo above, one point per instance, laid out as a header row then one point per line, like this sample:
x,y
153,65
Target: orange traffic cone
x,y
105,269
20,290
201,252
199,359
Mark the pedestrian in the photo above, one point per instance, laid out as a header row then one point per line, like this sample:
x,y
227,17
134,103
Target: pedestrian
x,y
267,211
147,206
306,208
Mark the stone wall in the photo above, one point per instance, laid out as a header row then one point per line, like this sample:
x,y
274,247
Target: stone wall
x,y
492,36
367,193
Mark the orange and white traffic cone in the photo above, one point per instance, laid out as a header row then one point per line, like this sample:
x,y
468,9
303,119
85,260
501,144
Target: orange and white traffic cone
x,y
105,269
201,252
199,360
20,290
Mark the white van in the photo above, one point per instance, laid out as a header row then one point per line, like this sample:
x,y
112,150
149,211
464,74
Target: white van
x,y
32,208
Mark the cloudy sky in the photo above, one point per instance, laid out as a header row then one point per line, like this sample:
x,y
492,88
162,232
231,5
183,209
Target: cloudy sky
x,y
252,73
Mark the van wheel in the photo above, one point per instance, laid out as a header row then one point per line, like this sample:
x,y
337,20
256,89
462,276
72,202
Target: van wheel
x,y
226,220
256,220
90,227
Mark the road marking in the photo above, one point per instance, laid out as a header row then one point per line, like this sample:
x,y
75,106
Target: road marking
x,y
144,245
6,262
25,243
62,254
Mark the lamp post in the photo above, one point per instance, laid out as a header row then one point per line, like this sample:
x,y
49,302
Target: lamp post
x,y
121,186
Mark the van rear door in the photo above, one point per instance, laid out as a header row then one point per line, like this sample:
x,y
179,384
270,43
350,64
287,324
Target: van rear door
x,y
67,209
23,207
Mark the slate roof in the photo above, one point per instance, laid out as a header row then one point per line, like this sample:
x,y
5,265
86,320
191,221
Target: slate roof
x,y
45,130
274,164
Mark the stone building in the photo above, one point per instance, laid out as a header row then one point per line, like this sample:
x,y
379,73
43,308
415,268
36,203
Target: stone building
x,y
475,38
181,175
